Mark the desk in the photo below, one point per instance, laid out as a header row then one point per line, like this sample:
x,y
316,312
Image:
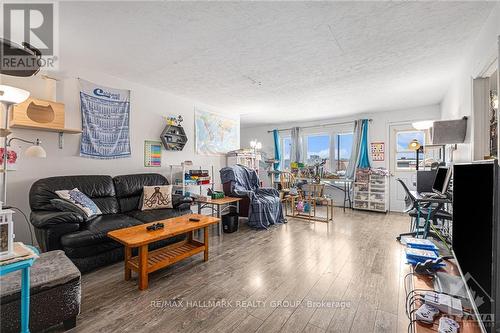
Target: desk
x,y
424,282
24,266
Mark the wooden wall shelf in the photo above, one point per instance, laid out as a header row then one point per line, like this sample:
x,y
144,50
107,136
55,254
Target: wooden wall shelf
x,y
60,131
41,115
47,129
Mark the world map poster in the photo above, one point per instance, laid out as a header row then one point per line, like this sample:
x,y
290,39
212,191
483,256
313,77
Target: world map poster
x,y
216,134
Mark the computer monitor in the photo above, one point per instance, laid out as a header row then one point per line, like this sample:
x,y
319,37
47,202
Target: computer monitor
x,y
442,180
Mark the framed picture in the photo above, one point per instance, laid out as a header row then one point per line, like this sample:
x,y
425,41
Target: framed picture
x,y
378,151
152,153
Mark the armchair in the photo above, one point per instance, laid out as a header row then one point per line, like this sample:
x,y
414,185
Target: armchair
x,y
262,205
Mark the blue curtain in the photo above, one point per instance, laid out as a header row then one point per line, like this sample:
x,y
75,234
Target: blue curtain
x,y
276,149
364,155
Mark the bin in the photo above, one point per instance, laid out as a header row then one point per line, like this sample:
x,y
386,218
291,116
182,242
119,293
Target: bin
x,y
230,222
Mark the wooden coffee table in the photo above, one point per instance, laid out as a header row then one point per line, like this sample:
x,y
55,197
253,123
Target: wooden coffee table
x,y
147,262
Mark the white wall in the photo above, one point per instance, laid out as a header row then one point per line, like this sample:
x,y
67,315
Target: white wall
x,y
148,106
379,130
458,99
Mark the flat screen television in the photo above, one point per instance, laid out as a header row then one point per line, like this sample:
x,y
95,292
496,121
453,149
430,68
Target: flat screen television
x,y
475,236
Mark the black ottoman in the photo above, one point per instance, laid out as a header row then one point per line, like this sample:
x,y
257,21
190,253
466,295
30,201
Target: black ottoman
x,y
54,295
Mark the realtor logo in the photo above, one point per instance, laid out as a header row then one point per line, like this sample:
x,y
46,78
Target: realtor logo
x,y
479,297
34,23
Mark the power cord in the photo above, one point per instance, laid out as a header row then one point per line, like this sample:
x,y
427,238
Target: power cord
x,y
25,218
410,325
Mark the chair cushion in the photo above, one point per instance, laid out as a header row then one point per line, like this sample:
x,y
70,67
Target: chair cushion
x,y
129,188
51,269
91,250
95,230
147,216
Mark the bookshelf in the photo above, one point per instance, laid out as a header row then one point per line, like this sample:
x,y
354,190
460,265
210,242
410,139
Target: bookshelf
x,y
174,138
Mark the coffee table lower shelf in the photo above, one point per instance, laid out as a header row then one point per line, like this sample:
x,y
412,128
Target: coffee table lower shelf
x,y
149,261
168,255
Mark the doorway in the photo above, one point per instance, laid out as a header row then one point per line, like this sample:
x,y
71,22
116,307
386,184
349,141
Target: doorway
x,y
403,162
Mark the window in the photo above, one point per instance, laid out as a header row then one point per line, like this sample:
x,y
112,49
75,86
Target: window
x,y
333,146
343,150
286,151
406,158
318,149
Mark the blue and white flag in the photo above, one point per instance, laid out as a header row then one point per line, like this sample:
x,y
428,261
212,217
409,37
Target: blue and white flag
x,y
105,121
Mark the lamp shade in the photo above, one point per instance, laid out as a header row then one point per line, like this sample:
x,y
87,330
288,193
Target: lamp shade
x,y
12,95
414,145
36,151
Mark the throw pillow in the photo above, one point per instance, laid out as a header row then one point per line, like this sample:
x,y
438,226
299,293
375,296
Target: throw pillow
x,y
81,201
157,197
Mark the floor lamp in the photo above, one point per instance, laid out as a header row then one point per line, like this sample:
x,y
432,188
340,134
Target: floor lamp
x,y
417,147
10,96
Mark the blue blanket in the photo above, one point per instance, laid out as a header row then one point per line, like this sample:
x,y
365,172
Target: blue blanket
x,y
265,206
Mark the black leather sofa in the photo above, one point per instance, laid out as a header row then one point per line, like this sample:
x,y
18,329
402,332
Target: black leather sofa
x,y
86,242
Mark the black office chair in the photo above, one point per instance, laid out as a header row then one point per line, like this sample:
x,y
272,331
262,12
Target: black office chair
x,y
417,211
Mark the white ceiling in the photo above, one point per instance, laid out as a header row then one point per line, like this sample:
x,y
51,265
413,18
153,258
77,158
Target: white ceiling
x,y
278,61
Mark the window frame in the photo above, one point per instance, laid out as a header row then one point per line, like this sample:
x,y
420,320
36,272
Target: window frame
x,y
331,132
305,144
337,147
282,150
396,151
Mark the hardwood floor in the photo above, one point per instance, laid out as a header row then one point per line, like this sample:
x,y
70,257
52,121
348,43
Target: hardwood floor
x,y
298,277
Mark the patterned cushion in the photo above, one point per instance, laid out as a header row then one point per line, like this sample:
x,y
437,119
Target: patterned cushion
x,y
157,197
81,201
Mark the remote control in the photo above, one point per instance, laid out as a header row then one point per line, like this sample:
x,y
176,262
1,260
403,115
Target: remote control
x,y
426,313
448,325
194,219
155,226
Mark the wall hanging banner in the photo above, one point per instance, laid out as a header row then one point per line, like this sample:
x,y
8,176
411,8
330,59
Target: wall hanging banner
x,y
152,153
105,121
216,134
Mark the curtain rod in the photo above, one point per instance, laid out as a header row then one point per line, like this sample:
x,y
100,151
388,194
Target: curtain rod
x,y
321,125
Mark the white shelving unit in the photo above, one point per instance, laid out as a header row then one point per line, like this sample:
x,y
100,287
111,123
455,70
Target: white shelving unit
x,y
371,192
246,157
185,186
